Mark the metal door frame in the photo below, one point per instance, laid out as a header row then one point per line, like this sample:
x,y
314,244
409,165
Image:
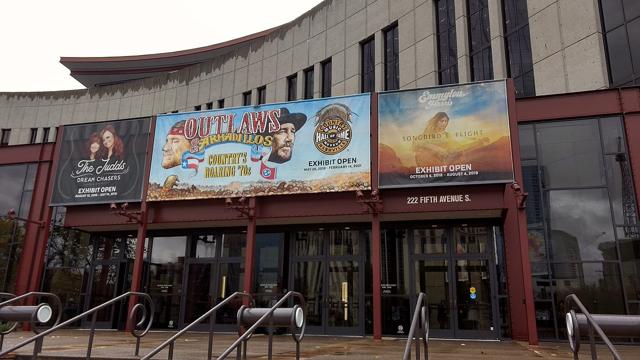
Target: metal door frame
x,y
214,287
121,264
452,257
325,260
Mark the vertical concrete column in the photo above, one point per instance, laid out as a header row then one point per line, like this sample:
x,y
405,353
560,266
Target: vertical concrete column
x,y
378,44
300,85
498,48
317,80
462,41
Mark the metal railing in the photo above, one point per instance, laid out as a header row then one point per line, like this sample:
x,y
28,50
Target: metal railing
x,y
419,329
209,314
574,333
241,343
138,334
12,298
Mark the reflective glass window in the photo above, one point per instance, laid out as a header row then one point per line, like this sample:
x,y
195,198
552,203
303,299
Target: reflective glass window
x,y
431,241
596,284
580,226
527,142
232,245
570,154
343,242
471,239
308,243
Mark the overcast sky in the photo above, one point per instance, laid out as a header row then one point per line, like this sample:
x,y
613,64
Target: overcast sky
x,y
35,34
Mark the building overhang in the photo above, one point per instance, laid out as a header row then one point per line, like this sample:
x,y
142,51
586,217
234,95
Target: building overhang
x,y
101,71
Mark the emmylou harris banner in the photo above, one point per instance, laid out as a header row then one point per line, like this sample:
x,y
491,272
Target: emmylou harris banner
x,y
101,162
450,135
298,147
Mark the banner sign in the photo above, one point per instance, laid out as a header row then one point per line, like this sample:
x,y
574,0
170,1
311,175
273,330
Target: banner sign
x,y
298,147
101,162
449,135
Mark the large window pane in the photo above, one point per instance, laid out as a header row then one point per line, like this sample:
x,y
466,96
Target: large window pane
x,y
581,225
232,245
619,55
308,243
431,241
343,242
471,239
570,154
596,284
527,142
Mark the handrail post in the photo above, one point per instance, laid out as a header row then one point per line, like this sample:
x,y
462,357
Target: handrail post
x,y
264,317
573,329
39,337
419,329
212,318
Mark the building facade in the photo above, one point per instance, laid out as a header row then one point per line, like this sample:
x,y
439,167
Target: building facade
x,y
574,136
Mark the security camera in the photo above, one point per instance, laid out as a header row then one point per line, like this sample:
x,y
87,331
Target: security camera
x,y
124,206
359,195
242,200
11,214
228,201
515,187
374,194
113,206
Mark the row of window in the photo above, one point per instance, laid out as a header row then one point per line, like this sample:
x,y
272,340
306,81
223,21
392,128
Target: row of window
x,y
33,138
517,41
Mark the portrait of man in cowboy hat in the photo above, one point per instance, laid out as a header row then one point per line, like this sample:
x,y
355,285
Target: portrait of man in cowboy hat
x,y
175,145
284,138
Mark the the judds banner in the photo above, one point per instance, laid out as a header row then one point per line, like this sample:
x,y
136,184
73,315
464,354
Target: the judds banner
x,y
450,135
101,162
298,147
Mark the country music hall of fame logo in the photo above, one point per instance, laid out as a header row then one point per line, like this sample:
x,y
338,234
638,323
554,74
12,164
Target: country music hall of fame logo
x,y
333,129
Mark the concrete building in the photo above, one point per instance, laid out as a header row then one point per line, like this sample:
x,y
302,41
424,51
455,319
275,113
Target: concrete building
x,y
567,59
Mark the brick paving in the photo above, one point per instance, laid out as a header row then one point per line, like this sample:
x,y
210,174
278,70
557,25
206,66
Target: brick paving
x,y
114,345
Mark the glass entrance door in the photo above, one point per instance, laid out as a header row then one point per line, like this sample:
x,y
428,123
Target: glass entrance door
x,y
214,270
326,267
452,264
110,275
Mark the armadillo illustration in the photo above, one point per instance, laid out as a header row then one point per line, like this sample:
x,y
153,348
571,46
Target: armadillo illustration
x,y
170,182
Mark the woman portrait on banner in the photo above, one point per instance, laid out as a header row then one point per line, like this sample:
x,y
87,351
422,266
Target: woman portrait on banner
x,y
113,145
94,148
436,146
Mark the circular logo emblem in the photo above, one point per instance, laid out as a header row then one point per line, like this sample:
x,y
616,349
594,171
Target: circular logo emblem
x,y
333,129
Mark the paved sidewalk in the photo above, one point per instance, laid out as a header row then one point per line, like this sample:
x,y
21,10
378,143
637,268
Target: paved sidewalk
x,y
113,345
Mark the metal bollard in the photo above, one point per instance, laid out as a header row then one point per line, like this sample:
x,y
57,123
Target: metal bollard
x,y
41,313
282,317
612,325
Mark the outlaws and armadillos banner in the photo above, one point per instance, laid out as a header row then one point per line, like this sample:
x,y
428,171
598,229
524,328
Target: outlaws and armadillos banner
x,y
298,147
101,162
450,135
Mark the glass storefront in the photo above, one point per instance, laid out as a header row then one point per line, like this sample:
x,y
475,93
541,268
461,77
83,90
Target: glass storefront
x,y
583,228
17,189
459,266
